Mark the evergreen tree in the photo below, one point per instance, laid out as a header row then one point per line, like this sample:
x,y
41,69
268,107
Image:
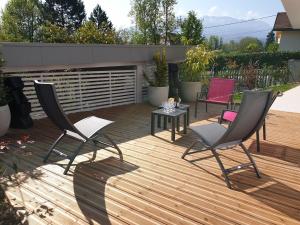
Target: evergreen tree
x,y
270,39
99,17
192,29
67,14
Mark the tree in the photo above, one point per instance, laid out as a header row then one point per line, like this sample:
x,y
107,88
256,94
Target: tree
x,y
270,39
50,33
20,20
147,17
273,47
99,17
214,42
169,21
192,29
89,33
67,14
232,46
250,44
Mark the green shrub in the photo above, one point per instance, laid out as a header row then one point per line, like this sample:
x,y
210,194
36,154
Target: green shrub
x,y
195,66
161,72
276,59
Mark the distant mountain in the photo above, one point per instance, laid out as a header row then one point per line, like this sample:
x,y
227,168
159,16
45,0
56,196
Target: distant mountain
x,y
258,29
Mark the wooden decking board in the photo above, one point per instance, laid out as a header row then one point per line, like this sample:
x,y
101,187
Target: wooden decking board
x,y
168,189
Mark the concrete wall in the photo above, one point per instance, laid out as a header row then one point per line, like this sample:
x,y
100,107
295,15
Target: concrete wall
x,y
290,41
37,56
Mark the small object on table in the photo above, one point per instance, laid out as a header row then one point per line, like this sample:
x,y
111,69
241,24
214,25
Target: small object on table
x,y
175,118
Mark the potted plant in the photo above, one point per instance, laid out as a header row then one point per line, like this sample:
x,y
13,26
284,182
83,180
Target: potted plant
x,y
159,89
4,109
193,71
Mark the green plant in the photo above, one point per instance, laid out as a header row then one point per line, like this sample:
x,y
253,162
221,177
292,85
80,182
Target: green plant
x,y
161,70
196,63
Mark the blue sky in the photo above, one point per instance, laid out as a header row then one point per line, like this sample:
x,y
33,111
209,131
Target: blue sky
x,y
117,10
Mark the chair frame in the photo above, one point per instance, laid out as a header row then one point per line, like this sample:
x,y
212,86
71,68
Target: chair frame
x,y
213,148
81,138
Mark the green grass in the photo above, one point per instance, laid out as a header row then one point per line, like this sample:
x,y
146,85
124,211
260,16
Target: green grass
x,y
282,88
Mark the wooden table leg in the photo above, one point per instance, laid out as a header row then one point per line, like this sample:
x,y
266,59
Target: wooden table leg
x,y
185,122
152,123
178,123
173,129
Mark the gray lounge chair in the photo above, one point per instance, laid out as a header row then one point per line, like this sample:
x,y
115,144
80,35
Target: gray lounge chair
x,y
250,118
85,130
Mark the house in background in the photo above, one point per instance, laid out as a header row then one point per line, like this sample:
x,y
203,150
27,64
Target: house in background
x,y
287,26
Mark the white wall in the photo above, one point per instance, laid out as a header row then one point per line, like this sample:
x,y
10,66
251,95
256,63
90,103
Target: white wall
x,y
290,41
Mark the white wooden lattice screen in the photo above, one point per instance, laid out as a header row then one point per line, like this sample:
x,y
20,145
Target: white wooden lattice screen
x,y
83,91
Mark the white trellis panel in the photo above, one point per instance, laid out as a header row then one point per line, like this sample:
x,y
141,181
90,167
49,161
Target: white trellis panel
x,y
84,90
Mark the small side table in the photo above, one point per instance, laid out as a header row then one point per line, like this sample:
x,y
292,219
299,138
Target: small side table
x,y
187,109
175,119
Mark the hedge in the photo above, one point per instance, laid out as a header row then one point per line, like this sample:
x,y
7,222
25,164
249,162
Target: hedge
x,y
277,59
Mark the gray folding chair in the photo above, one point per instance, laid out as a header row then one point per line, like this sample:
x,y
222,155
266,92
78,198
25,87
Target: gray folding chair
x,y
250,118
85,130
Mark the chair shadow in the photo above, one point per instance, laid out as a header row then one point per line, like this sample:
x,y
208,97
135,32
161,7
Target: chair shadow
x,y
270,192
90,182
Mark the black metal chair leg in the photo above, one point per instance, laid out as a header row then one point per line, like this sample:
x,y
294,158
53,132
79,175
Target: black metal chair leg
x,y
264,131
257,141
251,160
73,157
115,145
216,155
53,146
188,149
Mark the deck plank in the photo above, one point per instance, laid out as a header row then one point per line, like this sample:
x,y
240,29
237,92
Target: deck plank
x,y
154,185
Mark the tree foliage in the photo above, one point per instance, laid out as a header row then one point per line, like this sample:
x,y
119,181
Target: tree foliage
x,y
99,17
67,14
20,20
270,39
89,33
51,33
147,17
169,20
250,44
192,29
215,42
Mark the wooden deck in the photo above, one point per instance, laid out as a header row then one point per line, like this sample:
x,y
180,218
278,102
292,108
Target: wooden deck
x,y
154,185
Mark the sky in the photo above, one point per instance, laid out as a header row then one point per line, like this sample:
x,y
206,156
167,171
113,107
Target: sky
x,y
117,10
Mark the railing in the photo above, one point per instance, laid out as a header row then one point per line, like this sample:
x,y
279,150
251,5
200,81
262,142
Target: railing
x,y
84,90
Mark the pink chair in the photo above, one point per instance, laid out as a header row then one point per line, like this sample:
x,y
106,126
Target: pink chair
x,y
220,91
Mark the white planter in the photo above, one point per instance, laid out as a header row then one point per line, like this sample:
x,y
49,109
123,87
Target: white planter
x,y
189,91
4,119
158,95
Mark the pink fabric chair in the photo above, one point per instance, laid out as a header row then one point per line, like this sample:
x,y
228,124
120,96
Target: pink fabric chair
x,y
220,91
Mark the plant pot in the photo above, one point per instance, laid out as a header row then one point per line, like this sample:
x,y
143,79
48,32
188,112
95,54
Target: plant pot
x,y
158,95
4,119
189,91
